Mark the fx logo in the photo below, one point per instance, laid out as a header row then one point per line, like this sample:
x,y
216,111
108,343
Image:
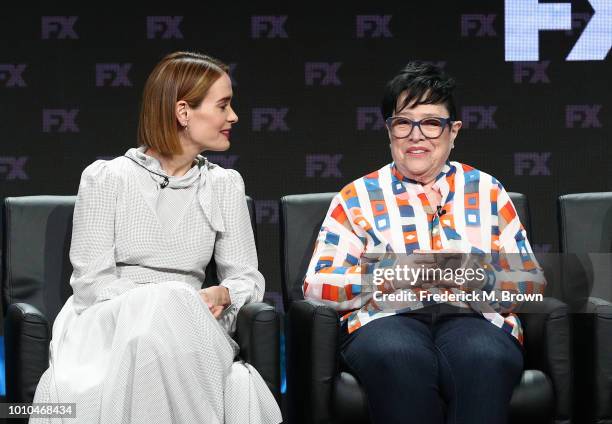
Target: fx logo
x,y
60,120
534,72
164,27
478,117
270,119
59,27
225,161
526,18
13,167
268,27
322,73
323,166
373,26
478,25
579,21
369,118
531,163
266,211
12,74
584,115
113,74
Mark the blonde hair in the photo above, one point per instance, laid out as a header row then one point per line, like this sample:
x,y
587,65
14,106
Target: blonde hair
x,y
178,76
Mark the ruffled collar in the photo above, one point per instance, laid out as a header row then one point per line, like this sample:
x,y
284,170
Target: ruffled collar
x,y
200,174
156,172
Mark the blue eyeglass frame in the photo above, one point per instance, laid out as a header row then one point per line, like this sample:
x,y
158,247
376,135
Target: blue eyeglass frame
x,y
444,121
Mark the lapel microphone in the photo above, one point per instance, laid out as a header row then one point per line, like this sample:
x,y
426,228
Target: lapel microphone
x,y
440,211
163,184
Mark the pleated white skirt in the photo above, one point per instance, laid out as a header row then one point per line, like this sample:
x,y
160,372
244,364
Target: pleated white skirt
x,y
152,355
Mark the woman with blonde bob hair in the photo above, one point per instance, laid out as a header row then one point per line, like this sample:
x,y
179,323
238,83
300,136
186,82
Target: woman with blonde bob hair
x,y
139,341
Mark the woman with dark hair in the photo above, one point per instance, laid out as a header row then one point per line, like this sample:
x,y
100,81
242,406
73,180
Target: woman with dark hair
x,y
140,341
423,360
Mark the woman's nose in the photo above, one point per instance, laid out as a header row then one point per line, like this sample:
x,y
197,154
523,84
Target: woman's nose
x,y
233,118
416,134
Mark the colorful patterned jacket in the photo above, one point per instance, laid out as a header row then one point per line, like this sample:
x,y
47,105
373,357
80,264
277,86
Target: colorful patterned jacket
x,y
386,212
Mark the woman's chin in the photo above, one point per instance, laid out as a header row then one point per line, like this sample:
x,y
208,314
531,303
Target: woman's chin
x,y
222,146
413,171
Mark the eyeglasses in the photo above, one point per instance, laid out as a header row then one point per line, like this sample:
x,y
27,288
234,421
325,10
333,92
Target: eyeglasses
x,y
431,127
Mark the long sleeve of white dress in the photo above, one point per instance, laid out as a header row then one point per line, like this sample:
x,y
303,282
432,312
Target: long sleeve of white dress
x,y
235,252
92,251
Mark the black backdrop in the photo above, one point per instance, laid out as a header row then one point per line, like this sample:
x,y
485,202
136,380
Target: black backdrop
x,y
307,83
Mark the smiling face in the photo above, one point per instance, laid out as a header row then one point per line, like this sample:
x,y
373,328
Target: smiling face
x,y
416,156
208,126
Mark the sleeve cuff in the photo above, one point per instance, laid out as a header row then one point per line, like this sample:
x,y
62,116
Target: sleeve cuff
x,y
237,299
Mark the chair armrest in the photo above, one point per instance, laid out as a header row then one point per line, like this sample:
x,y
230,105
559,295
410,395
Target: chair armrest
x,y
593,359
600,307
533,399
312,352
546,329
26,342
258,335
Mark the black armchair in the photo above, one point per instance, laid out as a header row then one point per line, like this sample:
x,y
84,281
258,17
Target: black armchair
x,y
585,234
321,390
37,234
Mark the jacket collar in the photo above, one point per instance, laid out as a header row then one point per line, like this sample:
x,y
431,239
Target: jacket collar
x,y
447,170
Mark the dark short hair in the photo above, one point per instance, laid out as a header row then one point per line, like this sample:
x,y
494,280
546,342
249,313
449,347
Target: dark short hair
x,y
424,83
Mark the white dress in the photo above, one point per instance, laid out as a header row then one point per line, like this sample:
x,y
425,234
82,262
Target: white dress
x,y
136,343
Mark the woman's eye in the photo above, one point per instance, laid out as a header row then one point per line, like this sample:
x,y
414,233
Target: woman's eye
x,y
402,122
431,122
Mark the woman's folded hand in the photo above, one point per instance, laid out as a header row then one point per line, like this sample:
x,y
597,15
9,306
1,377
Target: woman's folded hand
x,y
217,298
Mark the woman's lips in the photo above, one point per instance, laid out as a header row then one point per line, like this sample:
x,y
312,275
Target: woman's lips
x,y
417,153
226,133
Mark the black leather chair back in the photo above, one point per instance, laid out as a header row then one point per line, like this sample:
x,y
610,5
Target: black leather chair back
x,y
522,210
37,234
585,227
301,216
585,221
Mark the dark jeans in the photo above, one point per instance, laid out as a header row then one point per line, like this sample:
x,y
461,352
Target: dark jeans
x,y
434,366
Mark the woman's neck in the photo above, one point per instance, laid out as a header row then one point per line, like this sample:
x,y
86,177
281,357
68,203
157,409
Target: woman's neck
x,y
425,179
